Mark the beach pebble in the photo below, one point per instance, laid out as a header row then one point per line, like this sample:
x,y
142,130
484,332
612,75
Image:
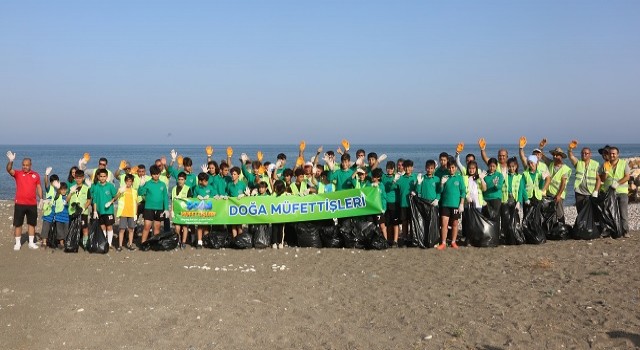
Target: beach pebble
x,y
80,310
428,337
5,290
605,254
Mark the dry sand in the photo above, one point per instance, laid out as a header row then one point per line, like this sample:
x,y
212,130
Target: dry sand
x,y
570,294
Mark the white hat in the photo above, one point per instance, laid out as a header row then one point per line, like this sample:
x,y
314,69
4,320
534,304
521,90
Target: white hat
x,y
308,164
360,170
533,159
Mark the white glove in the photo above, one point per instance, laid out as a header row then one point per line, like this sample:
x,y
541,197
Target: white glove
x,y
95,215
305,192
359,162
396,177
165,214
11,156
517,205
527,202
200,197
244,158
247,191
82,164
434,202
41,204
254,192
461,209
55,184
73,188
174,155
420,178
204,168
48,171
375,184
224,197
614,185
382,157
594,194
240,195
108,204
216,197
482,173
121,190
87,181
143,180
545,174
444,180
412,193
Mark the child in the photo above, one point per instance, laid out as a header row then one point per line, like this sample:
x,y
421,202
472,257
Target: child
x,y
181,191
474,183
277,230
187,163
376,176
342,177
203,191
323,185
104,194
51,184
156,206
428,186
493,194
406,184
299,187
391,196
513,188
534,181
451,205
443,169
263,188
80,200
61,214
236,188
127,212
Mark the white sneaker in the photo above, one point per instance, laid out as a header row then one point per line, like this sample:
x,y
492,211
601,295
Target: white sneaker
x,y
32,246
17,246
274,246
280,246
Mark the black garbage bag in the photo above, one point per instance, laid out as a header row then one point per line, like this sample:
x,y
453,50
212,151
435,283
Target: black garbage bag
x,y
72,241
52,236
261,235
164,241
559,231
553,229
290,234
97,242
217,239
586,226
424,232
375,239
243,241
331,237
610,214
511,226
352,234
532,225
479,231
308,234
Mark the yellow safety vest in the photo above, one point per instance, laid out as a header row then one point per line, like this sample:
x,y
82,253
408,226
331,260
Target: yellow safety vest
x,y
556,179
615,174
531,185
79,198
50,195
466,185
515,187
592,173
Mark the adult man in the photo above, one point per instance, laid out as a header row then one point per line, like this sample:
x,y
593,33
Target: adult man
x,y
560,174
26,204
615,174
102,164
587,182
503,155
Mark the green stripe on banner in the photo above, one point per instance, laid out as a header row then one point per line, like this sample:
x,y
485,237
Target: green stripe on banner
x,y
269,209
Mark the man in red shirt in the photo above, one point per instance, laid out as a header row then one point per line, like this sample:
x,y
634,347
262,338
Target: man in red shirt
x,y
27,185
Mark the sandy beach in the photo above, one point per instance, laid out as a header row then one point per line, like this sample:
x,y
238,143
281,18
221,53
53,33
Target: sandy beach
x,y
562,294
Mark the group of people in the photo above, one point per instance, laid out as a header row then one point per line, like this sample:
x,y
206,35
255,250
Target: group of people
x,y
448,184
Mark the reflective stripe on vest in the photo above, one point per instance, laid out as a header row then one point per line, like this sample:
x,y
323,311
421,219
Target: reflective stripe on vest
x,y
466,185
515,187
615,174
556,179
592,173
121,201
531,185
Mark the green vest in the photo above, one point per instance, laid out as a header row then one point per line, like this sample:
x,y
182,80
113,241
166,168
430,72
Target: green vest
x,y
466,185
592,173
121,203
80,198
50,195
531,185
542,167
615,174
295,190
515,187
58,204
183,193
322,187
556,179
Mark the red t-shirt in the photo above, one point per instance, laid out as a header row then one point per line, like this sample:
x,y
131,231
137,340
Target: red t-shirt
x,y
26,184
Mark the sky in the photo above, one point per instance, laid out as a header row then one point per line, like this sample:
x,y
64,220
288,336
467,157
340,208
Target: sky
x,y
276,72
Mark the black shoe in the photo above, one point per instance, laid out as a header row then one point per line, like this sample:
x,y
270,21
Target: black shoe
x,y
131,247
183,246
394,245
199,246
119,249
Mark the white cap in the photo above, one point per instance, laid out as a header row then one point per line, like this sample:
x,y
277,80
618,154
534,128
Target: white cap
x,y
308,164
360,170
533,159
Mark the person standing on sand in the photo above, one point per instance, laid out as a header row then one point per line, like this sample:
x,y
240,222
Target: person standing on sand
x,y
503,155
615,175
557,186
26,203
587,182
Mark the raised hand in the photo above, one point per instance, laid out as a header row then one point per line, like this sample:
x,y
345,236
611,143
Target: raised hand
x,y
11,156
180,160
346,145
542,143
229,151
523,141
460,147
48,171
382,157
204,168
573,144
259,156
86,157
123,164
174,155
208,150
482,143
303,145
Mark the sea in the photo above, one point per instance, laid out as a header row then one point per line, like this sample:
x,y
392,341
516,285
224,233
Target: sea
x,y
62,157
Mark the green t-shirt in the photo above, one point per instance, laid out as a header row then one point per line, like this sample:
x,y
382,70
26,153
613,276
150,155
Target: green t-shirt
x,y
155,195
191,180
236,189
429,189
390,189
343,179
452,192
101,194
406,185
204,191
494,186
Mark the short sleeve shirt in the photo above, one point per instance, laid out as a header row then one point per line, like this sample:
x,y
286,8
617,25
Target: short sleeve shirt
x,y
26,184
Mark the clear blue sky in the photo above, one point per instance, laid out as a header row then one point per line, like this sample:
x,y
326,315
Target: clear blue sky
x,y
230,72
